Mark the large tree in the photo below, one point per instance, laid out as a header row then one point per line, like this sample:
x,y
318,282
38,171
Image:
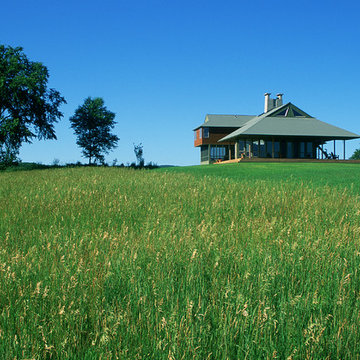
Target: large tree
x,y
28,109
92,124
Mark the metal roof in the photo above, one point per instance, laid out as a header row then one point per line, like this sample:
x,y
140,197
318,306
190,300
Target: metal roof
x,y
213,120
265,124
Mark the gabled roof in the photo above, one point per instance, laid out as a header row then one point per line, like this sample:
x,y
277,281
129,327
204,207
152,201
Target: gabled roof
x,y
212,120
282,122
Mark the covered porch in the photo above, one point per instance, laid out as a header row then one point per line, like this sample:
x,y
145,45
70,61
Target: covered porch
x,y
276,148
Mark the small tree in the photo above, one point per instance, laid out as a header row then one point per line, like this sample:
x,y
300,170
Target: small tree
x,y
28,109
139,152
92,124
355,155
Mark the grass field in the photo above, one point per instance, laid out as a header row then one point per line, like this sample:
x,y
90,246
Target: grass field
x,y
244,261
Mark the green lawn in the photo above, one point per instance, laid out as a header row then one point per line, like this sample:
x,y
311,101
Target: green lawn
x,y
245,261
315,175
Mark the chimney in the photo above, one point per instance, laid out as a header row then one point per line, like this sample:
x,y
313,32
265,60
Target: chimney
x,y
279,100
268,102
272,103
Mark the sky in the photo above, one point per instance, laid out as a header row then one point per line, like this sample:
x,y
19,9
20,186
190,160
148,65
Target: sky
x,y
161,66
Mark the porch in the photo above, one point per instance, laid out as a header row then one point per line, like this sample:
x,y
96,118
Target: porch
x,y
289,148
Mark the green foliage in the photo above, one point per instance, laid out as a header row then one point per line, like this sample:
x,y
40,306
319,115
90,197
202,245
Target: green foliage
x,y
28,109
92,124
177,266
355,155
139,153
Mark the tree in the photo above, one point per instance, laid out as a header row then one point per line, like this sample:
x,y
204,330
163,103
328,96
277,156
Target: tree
x,y
355,155
28,109
92,123
139,153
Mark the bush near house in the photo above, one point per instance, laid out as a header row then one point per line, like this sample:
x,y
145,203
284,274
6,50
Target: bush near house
x,y
355,155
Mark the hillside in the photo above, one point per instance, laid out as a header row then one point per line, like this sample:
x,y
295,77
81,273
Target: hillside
x,y
213,262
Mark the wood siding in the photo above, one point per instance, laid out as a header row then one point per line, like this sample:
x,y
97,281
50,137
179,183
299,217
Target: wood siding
x,y
215,134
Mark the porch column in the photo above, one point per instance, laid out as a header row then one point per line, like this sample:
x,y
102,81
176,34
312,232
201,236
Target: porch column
x,y
344,148
272,148
259,147
236,149
229,152
322,151
250,149
334,148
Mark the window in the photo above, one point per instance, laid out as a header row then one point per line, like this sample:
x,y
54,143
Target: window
x,y
242,146
302,150
262,152
290,150
276,149
283,112
297,114
217,152
255,148
309,150
269,149
204,153
205,133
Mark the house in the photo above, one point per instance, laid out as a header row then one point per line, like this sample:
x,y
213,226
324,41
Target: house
x,y
281,131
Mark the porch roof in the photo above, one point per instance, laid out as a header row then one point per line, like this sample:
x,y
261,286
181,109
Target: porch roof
x,y
303,126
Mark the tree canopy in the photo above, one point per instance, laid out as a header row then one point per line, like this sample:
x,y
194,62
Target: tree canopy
x,y
92,124
355,155
139,153
28,109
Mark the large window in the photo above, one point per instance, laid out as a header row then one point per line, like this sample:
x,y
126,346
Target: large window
x,y
302,150
269,149
242,147
217,152
255,148
205,133
276,149
262,152
309,150
290,150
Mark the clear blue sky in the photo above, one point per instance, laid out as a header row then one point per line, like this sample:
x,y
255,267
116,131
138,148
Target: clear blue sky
x,y
162,65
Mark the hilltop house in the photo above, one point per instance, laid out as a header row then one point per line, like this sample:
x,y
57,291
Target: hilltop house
x,y
281,131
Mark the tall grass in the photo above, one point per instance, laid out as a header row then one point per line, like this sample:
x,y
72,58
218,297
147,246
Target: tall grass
x,y
99,263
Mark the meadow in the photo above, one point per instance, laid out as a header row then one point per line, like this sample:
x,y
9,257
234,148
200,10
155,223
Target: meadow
x,y
243,261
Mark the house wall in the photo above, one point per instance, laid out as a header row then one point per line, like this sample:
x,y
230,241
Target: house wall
x,y
215,134
262,147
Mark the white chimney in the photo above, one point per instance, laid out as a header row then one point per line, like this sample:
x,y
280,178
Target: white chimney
x,y
268,102
272,103
279,100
